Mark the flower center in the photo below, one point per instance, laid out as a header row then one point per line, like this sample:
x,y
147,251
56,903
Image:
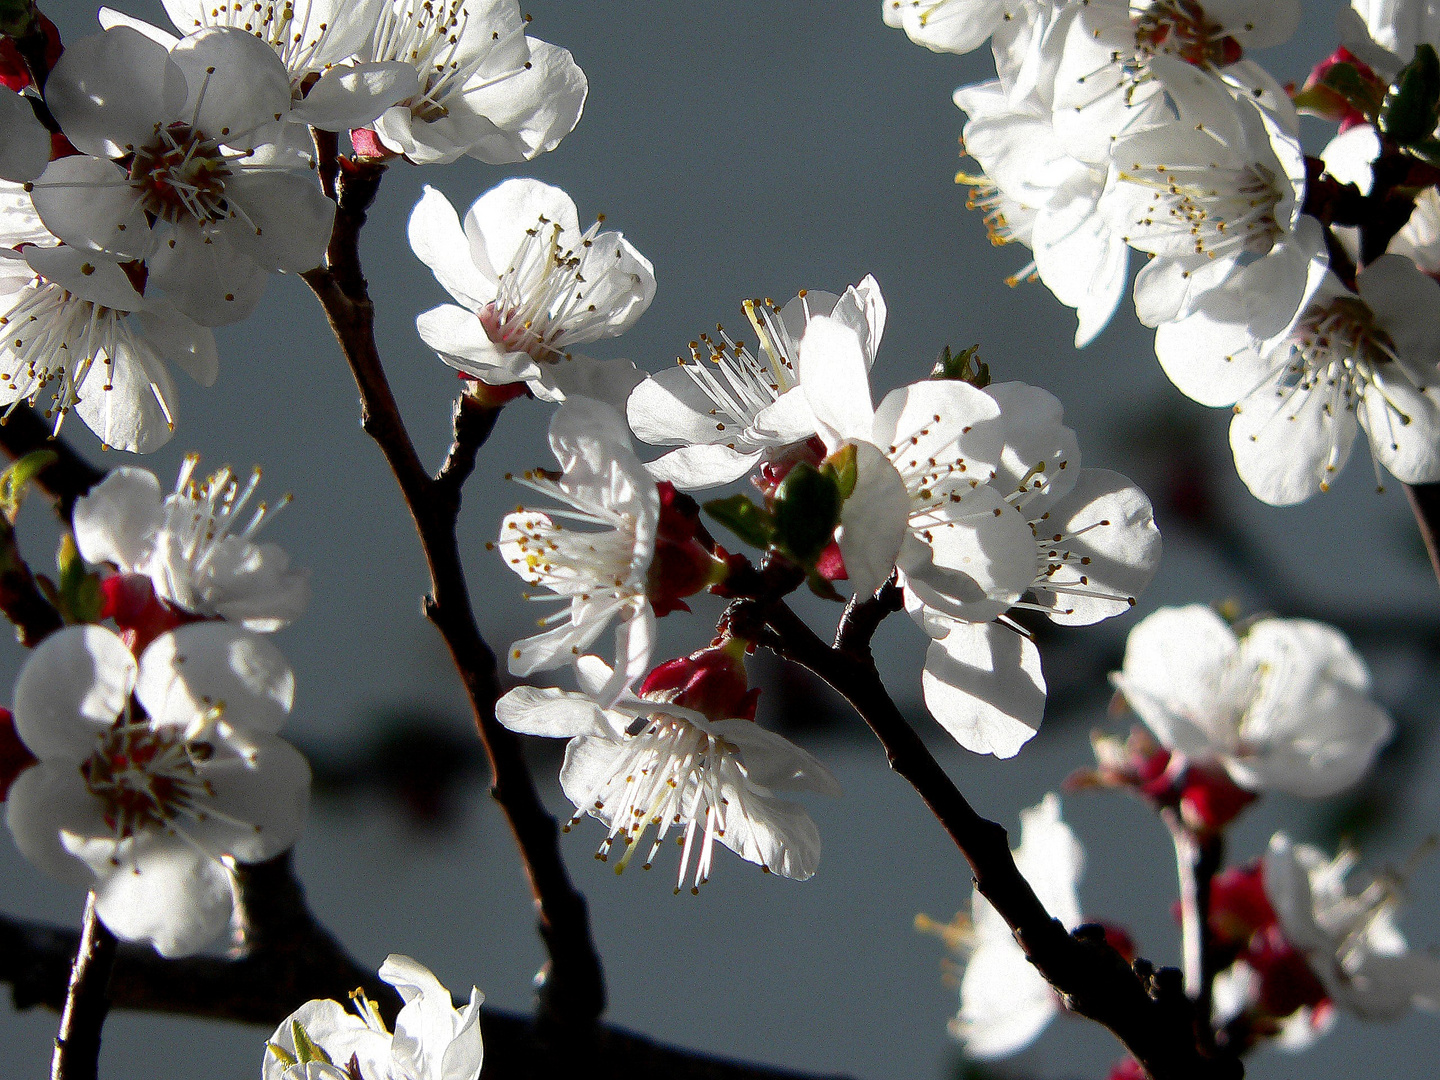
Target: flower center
x,y
429,35
144,778
1180,28
181,173
1224,210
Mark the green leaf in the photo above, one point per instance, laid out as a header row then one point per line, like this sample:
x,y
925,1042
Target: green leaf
x,y
840,466
305,1050
807,509
1410,110
15,481
78,595
742,517
822,588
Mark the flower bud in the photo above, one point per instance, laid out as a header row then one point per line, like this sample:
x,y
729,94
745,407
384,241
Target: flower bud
x,y
140,615
1286,981
1341,89
712,681
1239,908
682,566
772,472
1210,800
368,146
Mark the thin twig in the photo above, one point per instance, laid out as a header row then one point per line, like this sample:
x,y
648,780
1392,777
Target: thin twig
x,y
1145,1008
87,1000
1197,860
573,987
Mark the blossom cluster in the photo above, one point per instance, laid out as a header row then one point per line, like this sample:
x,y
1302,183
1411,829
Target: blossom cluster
x,y
1116,126
175,172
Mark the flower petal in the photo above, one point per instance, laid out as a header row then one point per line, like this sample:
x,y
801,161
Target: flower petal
x,y
117,519
983,684
72,687
188,671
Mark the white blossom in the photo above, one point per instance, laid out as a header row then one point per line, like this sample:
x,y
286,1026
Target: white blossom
x,y
316,40
1004,1001
643,762
487,90
531,286
600,574
1283,706
196,545
1093,549
432,1039
728,409
210,197
953,26
1349,937
148,809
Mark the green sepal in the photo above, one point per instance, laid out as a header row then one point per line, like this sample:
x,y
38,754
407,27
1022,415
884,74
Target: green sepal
x,y
285,1057
1366,95
807,509
752,524
1411,106
964,366
305,1049
78,595
18,18
15,481
841,467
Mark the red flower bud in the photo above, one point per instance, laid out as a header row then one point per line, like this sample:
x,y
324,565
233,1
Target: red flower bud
x,y
1317,99
712,681
1128,1069
1286,981
139,614
15,756
831,564
14,72
368,146
1239,908
811,451
683,565
1210,800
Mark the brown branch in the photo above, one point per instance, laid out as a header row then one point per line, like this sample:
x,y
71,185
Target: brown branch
x,y
284,958
21,600
1145,1008
573,990
68,477
1197,859
87,1000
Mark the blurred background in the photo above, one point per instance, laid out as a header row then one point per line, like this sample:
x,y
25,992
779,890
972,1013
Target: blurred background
x,y
754,149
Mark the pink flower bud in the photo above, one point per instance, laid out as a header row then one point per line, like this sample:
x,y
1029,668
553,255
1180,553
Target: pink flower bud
x,y
139,614
1127,1069
1317,99
712,681
1286,981
368,146
15,756
1239,908
811,452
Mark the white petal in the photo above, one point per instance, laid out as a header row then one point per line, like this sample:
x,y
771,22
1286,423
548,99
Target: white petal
x,y
72,687
108,91
432,1041
773,833
337,1031
43,801
1290,442
87,202
873,521
290,215
1004,1001
353,96
456,334
836,380
89,275
181,340
983,684
265,801
693,468
439,242
208,275
774,762
164,893
608,381
129,405
497,222
188,670
117,519
551,713
519,117
236,84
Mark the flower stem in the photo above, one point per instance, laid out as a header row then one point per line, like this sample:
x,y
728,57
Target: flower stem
x,y
1425,502
77,1045
1197,859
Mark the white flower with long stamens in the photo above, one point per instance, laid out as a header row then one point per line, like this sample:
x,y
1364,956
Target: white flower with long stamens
x,y
1004,1001
1208,191
531,286
1368,359
316,40
729,409
601,574
1284,706
197,546
76,336
487,90
149,802
1350,938
1093,549
432,1039
643,763
184,166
